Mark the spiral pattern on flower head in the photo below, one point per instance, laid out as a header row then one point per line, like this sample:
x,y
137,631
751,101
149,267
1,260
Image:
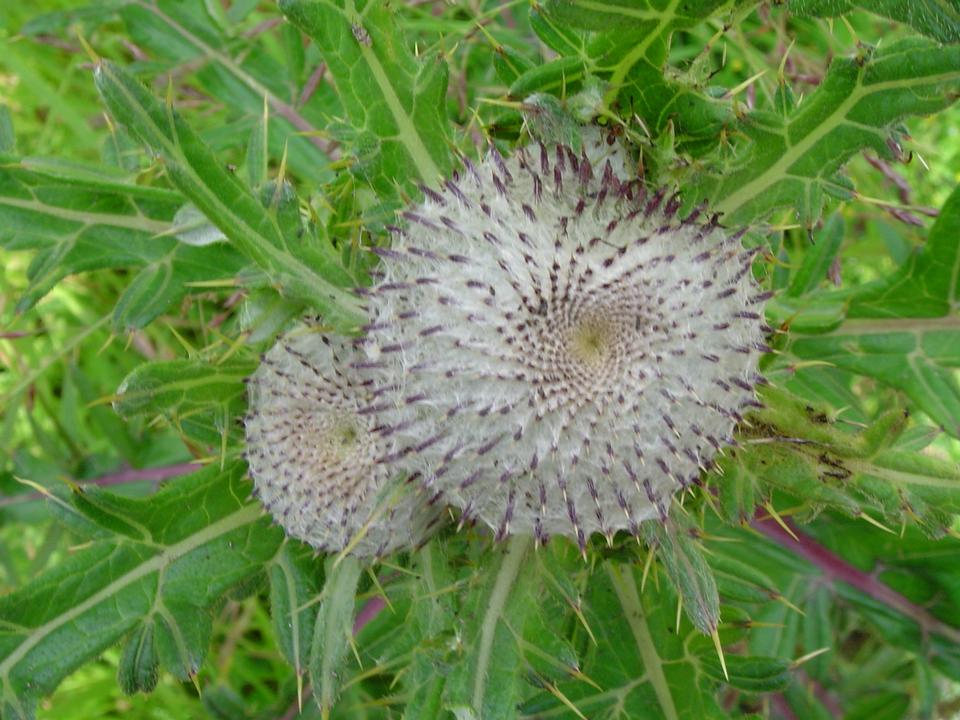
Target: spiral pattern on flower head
x,y
553,349
316,463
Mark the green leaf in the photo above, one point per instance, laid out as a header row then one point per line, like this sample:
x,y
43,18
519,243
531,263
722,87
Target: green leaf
x,y
333,629
394,101
431,620
740,581
629,50
792,161
737,494
927,580
802,453
8,139
258,158
164,281
557,36
226,202
510,64
687,569
180,36
631,14
752,674
904,330
82,218
203,400
940,19
181,386
139,666
165,580
553,76
817,260
294,582
79,219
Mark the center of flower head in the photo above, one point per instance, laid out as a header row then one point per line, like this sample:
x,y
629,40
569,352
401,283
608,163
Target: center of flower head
x,y
585,347
573,355
339,439
343,435
590,342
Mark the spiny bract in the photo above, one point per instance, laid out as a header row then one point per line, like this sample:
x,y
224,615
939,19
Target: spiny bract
x,y
554,350
316,464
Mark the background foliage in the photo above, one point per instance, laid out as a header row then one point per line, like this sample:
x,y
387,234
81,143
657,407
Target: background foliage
x,y
179,180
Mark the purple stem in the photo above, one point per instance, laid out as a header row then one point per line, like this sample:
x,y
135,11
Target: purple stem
x,y
836,568
368,612
781,706
118,478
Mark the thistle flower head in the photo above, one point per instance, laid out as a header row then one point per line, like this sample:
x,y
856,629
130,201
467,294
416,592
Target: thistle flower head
x,y
315,462
553,349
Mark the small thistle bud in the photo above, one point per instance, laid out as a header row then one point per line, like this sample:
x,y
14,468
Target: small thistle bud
x,y
554,349
316,462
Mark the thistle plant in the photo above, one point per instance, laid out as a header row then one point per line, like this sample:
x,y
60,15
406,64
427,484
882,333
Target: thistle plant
x,y
555,350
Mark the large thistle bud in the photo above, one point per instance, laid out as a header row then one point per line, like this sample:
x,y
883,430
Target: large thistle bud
x,y
316,463
554,349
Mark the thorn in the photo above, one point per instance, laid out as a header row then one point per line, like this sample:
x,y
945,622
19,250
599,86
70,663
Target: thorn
x,y
577,674
281,176
196,682
809,656
877,523
646,568
91,53
780,521
716,643
555,691
782,598
578,611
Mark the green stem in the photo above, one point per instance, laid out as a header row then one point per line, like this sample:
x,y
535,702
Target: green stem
x,y
626,588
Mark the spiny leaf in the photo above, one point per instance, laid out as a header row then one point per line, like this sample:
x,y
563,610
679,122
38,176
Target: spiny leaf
x,y
220,195
333,629
687,569
629,51
81,218
181,386
393,100
860,475
639,664
940,19
793,161
817,260
295,580
169,577
905,330
182,38
431,620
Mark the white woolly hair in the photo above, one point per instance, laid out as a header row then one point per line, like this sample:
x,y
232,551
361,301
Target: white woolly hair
x,y
316,462
555,351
